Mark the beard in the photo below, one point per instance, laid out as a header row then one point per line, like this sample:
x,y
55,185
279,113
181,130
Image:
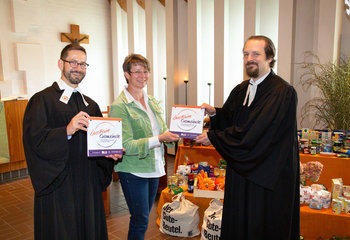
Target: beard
x,y
251,71
71,77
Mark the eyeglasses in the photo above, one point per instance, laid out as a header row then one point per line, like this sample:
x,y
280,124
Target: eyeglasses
x,y
139,72
75,64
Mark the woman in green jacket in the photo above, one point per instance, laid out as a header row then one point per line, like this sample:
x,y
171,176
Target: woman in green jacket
x,y
144,132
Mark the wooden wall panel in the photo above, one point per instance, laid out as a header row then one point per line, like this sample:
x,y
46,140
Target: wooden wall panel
x,y
14,111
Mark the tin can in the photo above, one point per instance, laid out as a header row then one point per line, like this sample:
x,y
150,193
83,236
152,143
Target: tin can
x,y
216,172
303,143
317,144
313,151
222,172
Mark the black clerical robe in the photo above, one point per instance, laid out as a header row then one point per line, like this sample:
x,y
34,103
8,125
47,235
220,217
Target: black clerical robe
x,y
259,143
68,185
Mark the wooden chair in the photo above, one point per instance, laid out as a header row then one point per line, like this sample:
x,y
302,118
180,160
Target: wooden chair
x,y
105,113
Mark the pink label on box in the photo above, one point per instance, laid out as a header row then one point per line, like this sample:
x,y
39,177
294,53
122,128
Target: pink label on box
x,y
104,137
187,121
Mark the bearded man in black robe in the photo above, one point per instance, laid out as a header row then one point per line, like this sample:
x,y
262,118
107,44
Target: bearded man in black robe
x,y
68,185
256,133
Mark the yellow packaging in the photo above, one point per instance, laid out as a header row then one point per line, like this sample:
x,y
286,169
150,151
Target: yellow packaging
x,y
172,180
347,206
173,190
336,206
337,186
342,199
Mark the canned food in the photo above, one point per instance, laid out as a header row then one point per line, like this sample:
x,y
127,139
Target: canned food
x,y
313,151
303,144
216,172
222,172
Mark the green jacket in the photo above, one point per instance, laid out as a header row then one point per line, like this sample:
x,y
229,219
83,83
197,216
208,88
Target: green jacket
x,y
137,128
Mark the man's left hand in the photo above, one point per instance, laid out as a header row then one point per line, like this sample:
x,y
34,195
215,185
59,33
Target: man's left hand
x,y
203,139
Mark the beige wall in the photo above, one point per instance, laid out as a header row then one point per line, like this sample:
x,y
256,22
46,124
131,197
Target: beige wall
x,y
315,30
30,45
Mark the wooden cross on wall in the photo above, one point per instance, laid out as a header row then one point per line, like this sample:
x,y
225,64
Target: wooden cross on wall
x,y
74,36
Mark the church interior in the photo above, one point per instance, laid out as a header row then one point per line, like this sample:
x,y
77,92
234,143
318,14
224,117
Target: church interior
x,y
195,52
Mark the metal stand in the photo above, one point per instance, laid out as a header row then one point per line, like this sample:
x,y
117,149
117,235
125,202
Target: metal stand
x,y
209,84
165,100
186,81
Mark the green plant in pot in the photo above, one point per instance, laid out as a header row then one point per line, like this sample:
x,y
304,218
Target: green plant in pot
x,y
332,108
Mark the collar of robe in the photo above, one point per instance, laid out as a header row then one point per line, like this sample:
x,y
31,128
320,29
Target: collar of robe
x,y
67,93
251,90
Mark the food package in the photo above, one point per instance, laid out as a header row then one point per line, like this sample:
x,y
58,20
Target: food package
x,y
342,199
175,189
305,192
347,206
316,201
336,206
184,169
326,199
337,187
318,187
205,168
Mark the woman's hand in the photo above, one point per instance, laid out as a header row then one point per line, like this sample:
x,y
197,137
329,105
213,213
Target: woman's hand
x,y
116,157
168,137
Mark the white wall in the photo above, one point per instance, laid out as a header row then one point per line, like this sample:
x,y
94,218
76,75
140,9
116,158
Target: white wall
x,y
159,52
120,46
36,26
205,52
182,69
233,46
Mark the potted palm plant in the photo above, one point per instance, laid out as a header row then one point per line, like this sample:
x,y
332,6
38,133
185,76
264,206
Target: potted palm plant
x,y
332,108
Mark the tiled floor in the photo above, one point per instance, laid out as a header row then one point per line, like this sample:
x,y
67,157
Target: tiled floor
x,y
16,220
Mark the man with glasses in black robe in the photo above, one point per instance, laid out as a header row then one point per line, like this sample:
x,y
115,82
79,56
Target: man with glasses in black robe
x,y
68,185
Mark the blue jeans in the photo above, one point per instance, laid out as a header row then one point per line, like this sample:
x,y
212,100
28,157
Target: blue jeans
x,y
139,194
